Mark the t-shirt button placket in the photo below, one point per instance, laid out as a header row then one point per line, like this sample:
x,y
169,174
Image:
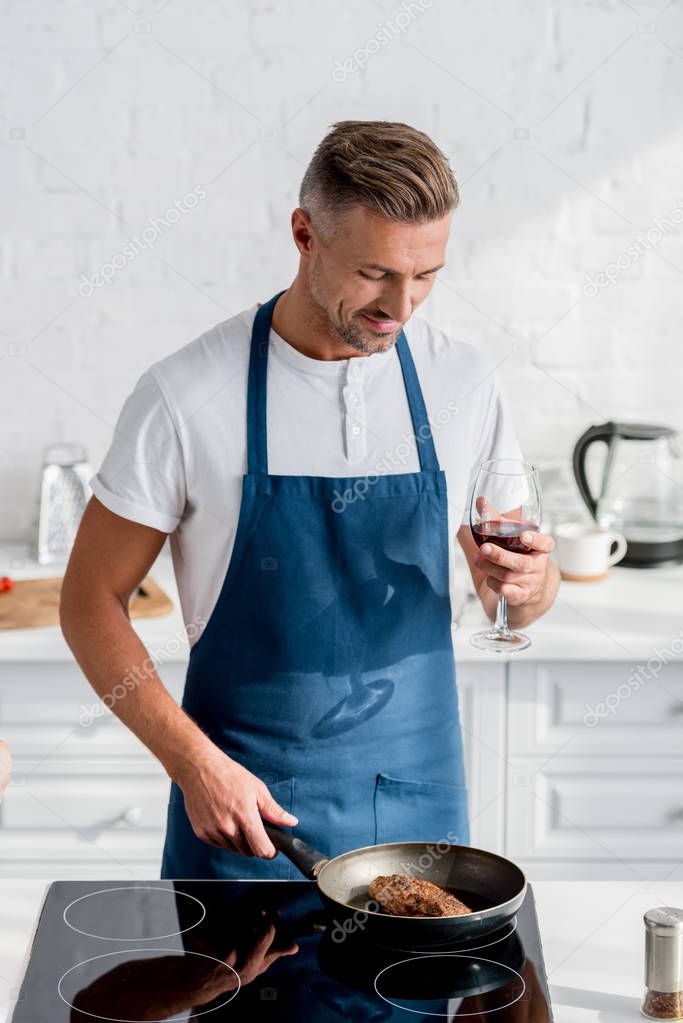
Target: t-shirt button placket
x,y
353,412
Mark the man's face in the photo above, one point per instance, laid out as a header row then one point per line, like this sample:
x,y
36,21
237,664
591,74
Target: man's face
x,y
370,279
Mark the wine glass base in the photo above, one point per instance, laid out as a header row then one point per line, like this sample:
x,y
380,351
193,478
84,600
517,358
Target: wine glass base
x,y
500,642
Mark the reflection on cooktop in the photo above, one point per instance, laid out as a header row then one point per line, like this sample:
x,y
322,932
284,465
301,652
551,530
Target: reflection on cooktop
x,y
150,984
450,985
244,950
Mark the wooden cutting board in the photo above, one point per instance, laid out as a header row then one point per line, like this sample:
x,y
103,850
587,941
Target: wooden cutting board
x,y
35,602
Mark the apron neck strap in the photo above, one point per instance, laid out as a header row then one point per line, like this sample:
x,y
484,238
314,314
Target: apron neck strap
x,y
418,413
257,438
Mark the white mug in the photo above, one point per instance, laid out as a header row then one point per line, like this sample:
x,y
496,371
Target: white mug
x,y
584,553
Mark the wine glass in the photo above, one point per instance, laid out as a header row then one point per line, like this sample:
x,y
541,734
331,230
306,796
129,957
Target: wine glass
x,y
506,502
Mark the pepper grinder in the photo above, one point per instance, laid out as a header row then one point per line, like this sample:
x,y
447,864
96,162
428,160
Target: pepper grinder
x,y
663,963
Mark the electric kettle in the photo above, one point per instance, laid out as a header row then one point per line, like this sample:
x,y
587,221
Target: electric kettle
x,y
640,489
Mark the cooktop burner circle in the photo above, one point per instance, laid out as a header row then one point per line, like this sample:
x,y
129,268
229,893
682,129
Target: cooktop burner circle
x,y
91,971
509,975
105,913
496,940
447,948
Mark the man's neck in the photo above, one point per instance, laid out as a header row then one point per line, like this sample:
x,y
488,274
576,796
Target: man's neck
x,y
304,326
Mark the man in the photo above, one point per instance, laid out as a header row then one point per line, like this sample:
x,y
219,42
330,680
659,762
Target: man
x,y
307,456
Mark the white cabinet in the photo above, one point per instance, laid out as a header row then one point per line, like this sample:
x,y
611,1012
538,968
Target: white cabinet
x,y
86,798
604,810
595,770
50,711
66,821
596,708
481,689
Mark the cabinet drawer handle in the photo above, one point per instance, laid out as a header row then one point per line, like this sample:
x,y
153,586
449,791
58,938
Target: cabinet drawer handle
x,y
130,816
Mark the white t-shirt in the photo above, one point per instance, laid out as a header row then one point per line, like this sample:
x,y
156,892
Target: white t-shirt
x,y
179,449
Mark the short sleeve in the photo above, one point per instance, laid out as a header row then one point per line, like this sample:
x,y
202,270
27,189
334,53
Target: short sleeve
x,y
142,476
497,437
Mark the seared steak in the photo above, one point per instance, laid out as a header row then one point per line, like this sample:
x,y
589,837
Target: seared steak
x,y
402,895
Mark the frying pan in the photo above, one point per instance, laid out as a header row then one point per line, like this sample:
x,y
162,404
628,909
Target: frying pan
x,y
491,885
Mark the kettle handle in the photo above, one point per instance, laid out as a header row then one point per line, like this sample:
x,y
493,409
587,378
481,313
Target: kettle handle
x,y
605,431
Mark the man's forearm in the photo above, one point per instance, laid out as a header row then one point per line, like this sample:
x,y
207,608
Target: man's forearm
x,y
120,670
523,614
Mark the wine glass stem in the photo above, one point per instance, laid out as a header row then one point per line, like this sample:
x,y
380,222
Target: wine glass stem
x,y
501,624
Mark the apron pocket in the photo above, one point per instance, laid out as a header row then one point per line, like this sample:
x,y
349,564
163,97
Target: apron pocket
x,y
281,868
282,791
420,811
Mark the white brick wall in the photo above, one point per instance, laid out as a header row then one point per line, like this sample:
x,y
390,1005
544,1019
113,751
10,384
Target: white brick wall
x,y
562,122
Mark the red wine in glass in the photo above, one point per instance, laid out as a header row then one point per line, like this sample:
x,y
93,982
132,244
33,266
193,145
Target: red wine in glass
x,y
504,534
506,502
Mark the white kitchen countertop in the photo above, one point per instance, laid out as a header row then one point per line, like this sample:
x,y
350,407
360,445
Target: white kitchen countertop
x,y
592,933
622,618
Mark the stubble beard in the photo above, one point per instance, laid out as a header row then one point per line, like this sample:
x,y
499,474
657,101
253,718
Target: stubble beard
x,y
350,333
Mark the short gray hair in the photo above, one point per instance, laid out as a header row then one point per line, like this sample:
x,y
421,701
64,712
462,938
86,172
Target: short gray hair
x,y
387,166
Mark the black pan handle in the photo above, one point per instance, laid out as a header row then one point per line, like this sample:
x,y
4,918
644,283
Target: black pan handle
x,y
309,861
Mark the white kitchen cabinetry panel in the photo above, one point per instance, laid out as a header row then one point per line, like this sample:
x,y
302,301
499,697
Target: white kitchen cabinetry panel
x,y
50,710
644,874
59,819
84,800
612,810
595,708
481,689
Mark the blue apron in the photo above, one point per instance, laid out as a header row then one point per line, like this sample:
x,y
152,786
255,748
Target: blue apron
x,y
326,667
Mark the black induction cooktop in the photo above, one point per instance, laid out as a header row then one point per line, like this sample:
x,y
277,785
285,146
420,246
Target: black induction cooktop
x,y
260,950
